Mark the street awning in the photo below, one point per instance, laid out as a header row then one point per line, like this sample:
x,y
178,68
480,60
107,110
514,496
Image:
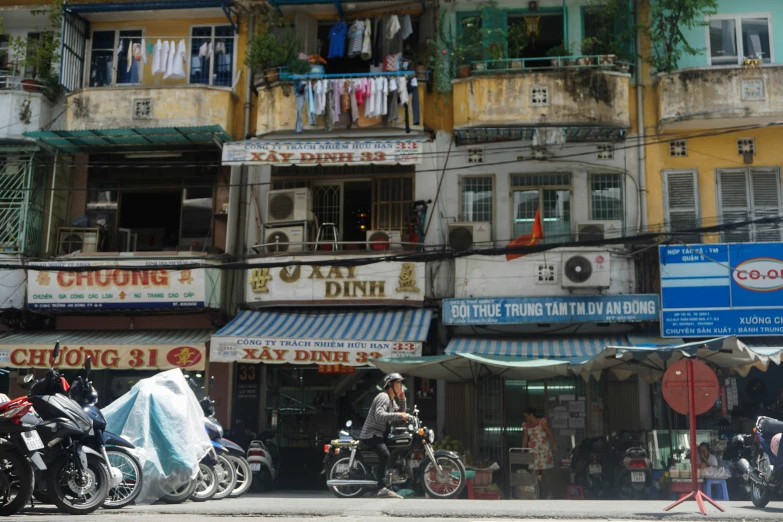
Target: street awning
x,y
467,367
572,349
771,347
131,139
108,349
326,337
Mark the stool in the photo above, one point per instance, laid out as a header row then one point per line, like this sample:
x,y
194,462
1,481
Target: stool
x,y
722,489
574,492
469,487
327,237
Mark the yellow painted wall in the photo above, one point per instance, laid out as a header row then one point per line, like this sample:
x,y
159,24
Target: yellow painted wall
x,y
181,28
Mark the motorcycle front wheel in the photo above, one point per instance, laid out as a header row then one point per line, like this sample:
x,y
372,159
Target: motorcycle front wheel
x,y
227,477
244,476
76,492
448,482
206,483
180,494
339,470
130,487
759,495
16,482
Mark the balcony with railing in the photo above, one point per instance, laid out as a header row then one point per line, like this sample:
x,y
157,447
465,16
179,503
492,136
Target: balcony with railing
x,y
24,108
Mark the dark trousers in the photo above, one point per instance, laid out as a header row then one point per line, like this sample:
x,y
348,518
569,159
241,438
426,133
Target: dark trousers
x,y
378,445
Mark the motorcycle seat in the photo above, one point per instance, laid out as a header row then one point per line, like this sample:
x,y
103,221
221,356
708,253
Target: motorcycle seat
x,y
768,426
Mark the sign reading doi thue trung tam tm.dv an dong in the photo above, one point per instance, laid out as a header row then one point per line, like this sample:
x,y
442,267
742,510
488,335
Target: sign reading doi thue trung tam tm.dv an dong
x,y
722,289
116,288
562,309
327,152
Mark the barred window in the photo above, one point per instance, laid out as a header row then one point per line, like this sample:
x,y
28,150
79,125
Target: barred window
x,y
476,198
606,197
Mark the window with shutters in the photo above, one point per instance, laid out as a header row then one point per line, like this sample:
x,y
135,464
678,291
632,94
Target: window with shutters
x,y
681,203
749,194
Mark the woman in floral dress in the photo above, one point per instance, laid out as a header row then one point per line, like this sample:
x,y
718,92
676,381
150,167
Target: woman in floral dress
x,y
538,436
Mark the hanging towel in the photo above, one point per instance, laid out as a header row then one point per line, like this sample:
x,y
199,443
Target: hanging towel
x,y
172,51
203,50
178,70
367,41
156,58
406,27
392,27
129,57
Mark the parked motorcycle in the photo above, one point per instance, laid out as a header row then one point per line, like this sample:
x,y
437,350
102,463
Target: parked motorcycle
x,y
759,469
19,453
590,466
739,447
350,465
125,469
263,456
633,473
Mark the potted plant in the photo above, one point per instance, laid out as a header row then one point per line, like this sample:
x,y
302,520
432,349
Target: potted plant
x,y
317,63
556,53
590,47
517,42
298,66
36,58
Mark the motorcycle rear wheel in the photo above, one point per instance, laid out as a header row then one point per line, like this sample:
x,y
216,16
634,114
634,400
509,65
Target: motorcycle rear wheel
x,y
759,495
341,472
16,482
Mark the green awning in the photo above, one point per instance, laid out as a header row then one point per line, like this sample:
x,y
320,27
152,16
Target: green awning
x,y
131,139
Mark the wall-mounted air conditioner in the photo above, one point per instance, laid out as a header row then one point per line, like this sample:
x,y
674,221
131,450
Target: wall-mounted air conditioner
x,y
383,240
464,236
284,239
85,240
585,269
596,230
286,206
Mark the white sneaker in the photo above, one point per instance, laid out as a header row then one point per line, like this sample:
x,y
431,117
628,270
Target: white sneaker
x,y
387,493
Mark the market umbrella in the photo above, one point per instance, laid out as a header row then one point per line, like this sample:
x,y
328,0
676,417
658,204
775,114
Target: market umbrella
x,y
650,363
470,367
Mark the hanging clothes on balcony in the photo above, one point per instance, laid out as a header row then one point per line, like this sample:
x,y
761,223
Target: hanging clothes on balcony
x,y
355,38
392,113
158,57
413,89
178,70
337,40
328,89
406,27
299,92
392,27
171,51
367,41
377,44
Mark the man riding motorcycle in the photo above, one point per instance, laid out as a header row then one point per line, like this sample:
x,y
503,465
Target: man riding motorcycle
x,y
383,411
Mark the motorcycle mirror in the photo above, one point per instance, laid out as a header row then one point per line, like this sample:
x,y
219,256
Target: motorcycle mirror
x,y
349,424
55,352
88,364
28,380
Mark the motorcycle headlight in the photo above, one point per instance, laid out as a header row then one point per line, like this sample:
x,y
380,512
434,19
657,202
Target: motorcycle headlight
x,y
431,436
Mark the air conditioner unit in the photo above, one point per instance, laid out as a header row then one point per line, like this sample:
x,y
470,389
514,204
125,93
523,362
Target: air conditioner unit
x,y
85,240
585,270
596,230
284,239
464,236
383,240
285,206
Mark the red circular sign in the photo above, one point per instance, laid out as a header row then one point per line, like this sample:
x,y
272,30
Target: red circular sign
x,y
184,356
675,387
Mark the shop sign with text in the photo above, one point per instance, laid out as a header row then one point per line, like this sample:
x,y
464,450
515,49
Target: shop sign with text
x,y
142,357
307,351
327,152
562,309
336,284
158,287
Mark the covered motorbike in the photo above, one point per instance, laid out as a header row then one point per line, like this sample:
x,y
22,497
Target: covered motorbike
x,y
349,465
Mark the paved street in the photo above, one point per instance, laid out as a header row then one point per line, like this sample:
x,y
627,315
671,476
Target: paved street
x,y
321,508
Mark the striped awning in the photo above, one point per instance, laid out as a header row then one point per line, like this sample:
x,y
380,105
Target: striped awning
x,y
320,336
560,348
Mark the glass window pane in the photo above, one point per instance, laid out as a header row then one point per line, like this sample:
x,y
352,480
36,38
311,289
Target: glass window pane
x,y
723,41
755,38
557,216
200,56
477,199
526,203
223,75
606,196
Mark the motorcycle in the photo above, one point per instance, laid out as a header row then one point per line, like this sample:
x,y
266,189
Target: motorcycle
x,y
739,447
350,465
587,462
759,470
125,469
77,477
633,474
20,446
263,457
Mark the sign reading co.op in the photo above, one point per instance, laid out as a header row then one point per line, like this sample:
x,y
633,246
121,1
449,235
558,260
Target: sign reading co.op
x,y
722,289
283,153
562,309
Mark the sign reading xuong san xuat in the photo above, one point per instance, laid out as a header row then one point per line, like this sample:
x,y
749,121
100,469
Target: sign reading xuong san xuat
x,y
307,351
116,288
383,281
346,152
140,357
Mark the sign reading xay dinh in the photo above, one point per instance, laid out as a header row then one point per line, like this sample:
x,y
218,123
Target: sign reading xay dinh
x,y
382,281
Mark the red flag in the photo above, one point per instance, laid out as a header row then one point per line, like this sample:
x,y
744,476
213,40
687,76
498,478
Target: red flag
x,y
528,239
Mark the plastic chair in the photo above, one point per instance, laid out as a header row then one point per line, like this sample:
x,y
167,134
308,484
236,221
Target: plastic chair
x,y
723,490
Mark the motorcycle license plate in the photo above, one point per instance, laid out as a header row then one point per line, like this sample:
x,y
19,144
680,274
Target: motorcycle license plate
x,y
255,466
637,476
594,469
32,440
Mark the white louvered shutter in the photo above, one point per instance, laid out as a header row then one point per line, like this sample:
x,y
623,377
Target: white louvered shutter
x,y
682,203
734,203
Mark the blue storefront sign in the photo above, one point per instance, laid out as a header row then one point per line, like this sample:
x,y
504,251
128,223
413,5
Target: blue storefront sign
x,y
564,309
734,289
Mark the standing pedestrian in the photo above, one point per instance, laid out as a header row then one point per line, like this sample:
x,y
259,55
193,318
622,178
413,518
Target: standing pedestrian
x,y
537,435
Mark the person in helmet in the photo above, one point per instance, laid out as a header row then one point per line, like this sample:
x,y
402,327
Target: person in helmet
x,y
387,407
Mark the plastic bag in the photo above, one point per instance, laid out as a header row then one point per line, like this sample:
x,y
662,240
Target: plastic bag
x,y
161,416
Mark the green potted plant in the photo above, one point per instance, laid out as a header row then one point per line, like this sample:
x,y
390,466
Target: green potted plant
x,y
37,57
264,54
557,53
517,42
496,53
298,66
590,47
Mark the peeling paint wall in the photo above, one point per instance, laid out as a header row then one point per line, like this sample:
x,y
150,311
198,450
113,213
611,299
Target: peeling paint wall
x,y
186,106
506,100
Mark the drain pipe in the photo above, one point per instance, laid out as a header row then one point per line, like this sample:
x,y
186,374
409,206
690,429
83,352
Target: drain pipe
x,y
248,79
641,142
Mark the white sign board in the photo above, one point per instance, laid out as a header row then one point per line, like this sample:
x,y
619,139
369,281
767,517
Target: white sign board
x,y
382,282
158,287
307,351
327,152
